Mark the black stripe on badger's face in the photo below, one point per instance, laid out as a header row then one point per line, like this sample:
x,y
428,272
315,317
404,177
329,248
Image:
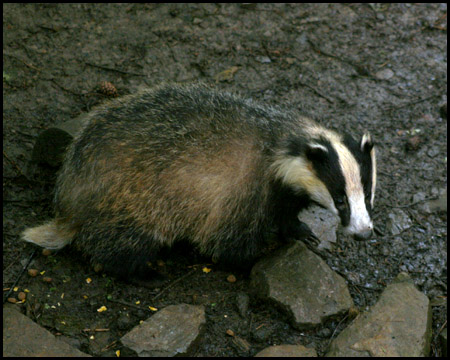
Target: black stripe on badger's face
x,y
328,169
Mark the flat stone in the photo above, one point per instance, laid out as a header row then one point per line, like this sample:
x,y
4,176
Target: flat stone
x,y
23,337
172,331
287,351
302,285
399,324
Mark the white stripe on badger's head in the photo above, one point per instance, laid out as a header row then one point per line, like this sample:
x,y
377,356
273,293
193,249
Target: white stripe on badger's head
x,y
337,173
360,223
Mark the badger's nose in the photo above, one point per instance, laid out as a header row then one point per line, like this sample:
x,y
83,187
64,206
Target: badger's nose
x,y
363,235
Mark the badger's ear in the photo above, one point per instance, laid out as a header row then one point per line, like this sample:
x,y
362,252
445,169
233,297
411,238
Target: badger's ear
x,y
316,152
366,143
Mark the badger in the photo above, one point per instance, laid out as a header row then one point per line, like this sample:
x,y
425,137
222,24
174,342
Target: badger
x,y
187,162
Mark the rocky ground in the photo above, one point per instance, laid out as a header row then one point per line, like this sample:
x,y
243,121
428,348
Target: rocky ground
x,y
376,67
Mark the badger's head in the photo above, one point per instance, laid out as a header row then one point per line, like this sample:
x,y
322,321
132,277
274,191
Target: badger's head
x,y
338,173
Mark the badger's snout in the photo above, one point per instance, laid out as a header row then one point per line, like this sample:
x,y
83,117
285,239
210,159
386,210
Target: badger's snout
x,y
365,235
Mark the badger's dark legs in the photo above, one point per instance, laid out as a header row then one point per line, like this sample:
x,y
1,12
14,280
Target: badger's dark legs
x,y
295,229
289,226
287,206
118,250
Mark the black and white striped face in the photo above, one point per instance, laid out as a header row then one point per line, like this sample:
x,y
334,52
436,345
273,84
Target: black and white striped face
x,y
338,174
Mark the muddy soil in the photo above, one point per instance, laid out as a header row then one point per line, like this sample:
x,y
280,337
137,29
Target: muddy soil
x,y
375,67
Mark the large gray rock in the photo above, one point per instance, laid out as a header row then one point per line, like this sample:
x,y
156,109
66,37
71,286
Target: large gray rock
x,y
172,331
398,325
22,337
287,351
301,284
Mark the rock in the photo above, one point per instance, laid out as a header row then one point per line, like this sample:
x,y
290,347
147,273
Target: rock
x,y
436,206
23,337
287,351
322,223
173,331
398,325
384,74
398,221
414,142
433,151
242,301
301,284
418,197
261,334
263,59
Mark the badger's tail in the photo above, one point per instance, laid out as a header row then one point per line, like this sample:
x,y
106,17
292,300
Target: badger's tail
x,y
51,235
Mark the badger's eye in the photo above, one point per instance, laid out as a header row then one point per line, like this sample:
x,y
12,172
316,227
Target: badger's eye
x,y
341,202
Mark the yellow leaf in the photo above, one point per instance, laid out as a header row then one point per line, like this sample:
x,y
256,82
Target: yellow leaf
x,y
226,75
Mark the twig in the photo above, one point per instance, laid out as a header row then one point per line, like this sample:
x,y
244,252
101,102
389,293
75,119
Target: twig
x,y
331,101
360,68
20,275
67,90
172,284
415,102
412,204
110,345
95,330
111,69
335,329
14,164
23,61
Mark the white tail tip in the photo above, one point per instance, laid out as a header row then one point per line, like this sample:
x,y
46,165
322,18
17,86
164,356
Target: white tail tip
x,y
49,236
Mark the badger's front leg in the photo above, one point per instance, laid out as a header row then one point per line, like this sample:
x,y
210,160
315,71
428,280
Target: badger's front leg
x,y
293,228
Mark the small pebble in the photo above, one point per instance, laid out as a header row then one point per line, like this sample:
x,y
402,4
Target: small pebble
x,y
230,332
33,272
413,142
384,74
46,252
98,268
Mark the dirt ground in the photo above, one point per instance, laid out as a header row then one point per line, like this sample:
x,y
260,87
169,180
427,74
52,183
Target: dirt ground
x,y
375,67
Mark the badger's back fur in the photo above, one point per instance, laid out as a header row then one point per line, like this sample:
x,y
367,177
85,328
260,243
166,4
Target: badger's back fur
x,y
186,162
